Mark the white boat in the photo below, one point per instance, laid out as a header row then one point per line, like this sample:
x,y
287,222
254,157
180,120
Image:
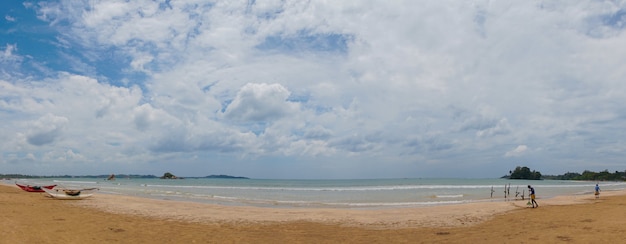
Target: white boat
x,y
70,194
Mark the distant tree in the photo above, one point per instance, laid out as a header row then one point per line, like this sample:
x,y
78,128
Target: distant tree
x,y
535,175
525,173
168,175
588,175
569,176
520,173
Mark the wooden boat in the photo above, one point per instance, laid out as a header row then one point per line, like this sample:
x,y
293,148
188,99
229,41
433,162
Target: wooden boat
x,y
30,188
70,194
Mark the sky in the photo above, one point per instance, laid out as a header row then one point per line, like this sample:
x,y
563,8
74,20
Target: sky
x,y
312,89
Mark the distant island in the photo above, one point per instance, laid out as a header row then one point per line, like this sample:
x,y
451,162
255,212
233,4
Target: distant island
x,y
224,177
170,176
523,173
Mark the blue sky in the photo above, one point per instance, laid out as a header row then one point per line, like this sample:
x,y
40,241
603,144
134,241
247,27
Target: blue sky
x,y
312,89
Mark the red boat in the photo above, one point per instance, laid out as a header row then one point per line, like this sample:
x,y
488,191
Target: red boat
x,y
30,188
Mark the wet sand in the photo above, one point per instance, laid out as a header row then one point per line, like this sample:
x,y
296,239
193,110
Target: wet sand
x,y
34,218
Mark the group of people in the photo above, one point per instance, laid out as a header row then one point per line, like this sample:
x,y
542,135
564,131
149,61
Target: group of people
x,y
532,201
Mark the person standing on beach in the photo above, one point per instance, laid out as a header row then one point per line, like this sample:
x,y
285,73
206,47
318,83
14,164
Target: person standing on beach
x,y
597,191
532,196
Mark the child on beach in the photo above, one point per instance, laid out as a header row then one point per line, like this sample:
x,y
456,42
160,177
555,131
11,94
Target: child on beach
x,y
597,191
532,197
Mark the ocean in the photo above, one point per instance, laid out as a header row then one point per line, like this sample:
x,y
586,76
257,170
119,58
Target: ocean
x,y
372,193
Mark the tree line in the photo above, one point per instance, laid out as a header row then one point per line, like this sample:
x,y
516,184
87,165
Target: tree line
x,y
523,173
526,174
590,176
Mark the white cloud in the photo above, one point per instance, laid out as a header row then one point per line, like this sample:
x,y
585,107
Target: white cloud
x,y
9,59
46,129
143,117
416,85
260,103
62,156
518,151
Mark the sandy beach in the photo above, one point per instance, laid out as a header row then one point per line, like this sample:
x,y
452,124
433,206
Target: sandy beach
x,y
35,218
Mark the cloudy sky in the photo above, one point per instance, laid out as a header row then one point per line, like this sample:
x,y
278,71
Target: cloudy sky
x,y
312,89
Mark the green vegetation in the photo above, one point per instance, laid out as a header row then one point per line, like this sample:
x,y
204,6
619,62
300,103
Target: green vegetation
x,y
169,175
524,173
224,177
590,176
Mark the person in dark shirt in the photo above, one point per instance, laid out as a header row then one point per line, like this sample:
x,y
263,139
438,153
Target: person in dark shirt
x,y
597,191
532,197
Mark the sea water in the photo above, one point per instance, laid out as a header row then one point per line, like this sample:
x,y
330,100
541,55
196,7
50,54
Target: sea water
x,y
371,193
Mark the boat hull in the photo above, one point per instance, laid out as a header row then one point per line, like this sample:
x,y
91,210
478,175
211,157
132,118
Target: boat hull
x,y
30,188
66,194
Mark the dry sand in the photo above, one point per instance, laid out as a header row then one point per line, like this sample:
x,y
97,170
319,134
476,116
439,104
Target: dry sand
x,y
34,218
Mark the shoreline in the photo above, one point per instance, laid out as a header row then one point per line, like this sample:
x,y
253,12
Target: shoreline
x,y
117,216
452,215
447,215
345,194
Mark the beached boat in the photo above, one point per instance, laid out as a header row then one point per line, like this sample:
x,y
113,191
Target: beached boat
x,y
71,194
30,188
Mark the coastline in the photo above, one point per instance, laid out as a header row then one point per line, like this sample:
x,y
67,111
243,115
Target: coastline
x,y
348,194
156,218
452,215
